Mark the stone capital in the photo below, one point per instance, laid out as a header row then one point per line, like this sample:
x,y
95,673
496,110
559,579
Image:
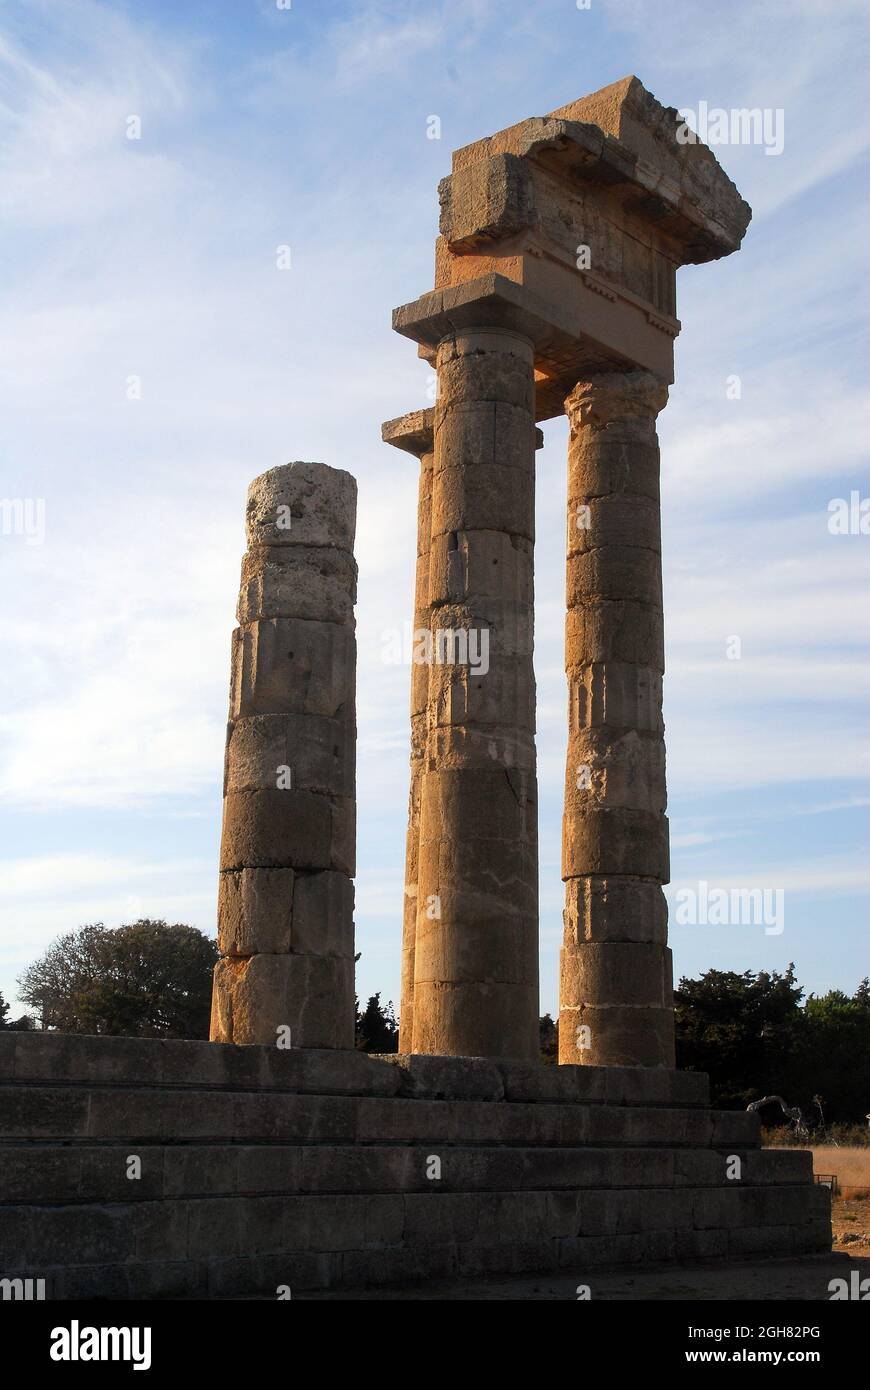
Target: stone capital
x,y
413,432
613,396
573,336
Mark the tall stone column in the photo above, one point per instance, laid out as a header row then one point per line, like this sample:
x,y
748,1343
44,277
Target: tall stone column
x,y
285,901
616,996
414,433
476,945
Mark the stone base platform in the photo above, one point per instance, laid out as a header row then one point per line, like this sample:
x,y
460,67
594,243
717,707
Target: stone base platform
x,y
315,1170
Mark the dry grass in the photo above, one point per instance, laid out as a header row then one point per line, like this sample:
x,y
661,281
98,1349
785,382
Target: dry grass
x,y
850,1219
852,1167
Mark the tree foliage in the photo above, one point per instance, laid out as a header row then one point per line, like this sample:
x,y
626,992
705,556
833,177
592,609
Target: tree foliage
x,y
147,979
548,1033
754,1037
377,1029
17,1025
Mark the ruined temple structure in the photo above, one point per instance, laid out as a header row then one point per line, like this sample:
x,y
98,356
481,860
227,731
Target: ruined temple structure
x,y
276,1157
555,293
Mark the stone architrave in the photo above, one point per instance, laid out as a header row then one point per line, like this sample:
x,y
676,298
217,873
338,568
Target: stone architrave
x,y
556,264
285,898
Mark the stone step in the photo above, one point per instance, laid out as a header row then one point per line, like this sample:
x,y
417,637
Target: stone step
x,y
39,1173
76,1113
58,1058
251,1244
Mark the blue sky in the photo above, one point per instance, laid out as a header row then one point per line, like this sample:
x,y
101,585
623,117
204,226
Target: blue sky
x,y
156,258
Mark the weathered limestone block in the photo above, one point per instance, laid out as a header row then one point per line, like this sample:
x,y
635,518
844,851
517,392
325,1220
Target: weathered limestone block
x,y
483,433
615,695
323,914
475,888
616,1035
493,197
480,564
274,911
301,752
478,804
454,746
298,581
292,666
255,911
604,769
258,996
614,572
615,841
623,519
602,631
480,950
446,1078
468,375
503,696
302,504
614,909
619,465
478,497
288,829
618,972
506,629
445,1012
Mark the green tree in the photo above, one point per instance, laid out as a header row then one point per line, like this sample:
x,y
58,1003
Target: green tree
x,y
377,1029
832,1057
741,1029
18,1025
146,979
548,1033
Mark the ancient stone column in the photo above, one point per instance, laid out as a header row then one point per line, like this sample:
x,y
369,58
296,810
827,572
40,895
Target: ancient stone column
x,y
285,903
415,433
476,946
616,996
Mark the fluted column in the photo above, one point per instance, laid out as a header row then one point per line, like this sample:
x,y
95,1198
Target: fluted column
x,y
476,944
616,996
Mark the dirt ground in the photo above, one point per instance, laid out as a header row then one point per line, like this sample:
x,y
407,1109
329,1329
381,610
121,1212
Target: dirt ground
x,y
850,1218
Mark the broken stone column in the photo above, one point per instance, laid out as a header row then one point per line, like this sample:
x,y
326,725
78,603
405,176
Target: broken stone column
x,y
414,433
476,942
616,995
285,899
